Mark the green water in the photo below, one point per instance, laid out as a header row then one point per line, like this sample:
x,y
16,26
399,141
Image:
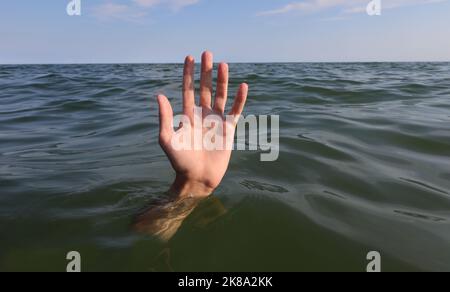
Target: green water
x,y
364,166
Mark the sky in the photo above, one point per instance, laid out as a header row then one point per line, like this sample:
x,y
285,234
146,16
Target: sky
x,y
164,31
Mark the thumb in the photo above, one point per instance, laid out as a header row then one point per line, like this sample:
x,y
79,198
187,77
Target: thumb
x,y
165,120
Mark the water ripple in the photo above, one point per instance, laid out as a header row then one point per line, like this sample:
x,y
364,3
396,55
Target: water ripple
x,y
364,163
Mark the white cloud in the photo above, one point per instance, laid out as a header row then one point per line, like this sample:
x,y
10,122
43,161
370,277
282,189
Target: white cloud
x,y
137,9
392,4
172,4
147,3
108,11
347,6
310,6
179,4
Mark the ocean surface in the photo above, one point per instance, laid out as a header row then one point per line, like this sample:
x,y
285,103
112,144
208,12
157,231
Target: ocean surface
x,y
364,166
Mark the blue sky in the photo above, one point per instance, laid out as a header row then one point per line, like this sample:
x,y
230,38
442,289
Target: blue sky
x,y
235,30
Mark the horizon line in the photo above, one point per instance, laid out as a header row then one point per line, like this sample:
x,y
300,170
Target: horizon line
x,y
181,63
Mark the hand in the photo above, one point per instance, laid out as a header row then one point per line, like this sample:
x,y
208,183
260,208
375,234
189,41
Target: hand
x,y
199,172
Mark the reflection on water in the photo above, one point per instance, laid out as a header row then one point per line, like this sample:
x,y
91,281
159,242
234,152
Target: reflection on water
x,y
254,185
164,216
420,216
364,165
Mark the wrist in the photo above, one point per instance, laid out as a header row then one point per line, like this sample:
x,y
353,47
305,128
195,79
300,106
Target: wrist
x,y
185,187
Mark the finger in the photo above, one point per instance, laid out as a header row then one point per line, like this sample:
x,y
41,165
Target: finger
x,y
206,80
222,88
165,120
188,87
240,99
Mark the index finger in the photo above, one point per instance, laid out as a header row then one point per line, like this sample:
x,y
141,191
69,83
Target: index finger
x,y
188,86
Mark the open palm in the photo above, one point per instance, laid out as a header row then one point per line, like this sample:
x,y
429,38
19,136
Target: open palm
x,y
198,170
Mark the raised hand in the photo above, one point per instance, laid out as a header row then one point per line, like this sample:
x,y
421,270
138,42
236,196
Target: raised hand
x,y
200,170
